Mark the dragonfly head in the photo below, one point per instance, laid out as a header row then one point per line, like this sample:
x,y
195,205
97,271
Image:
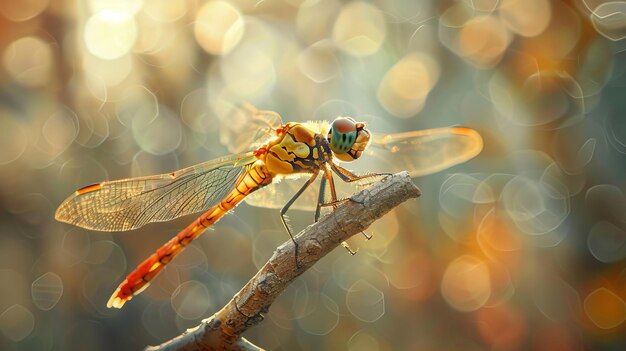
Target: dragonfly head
x,y
348,138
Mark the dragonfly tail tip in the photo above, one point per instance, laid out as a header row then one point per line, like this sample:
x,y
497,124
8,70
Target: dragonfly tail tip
x,y
117,301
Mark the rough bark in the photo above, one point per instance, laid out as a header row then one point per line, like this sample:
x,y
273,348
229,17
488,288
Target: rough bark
x,y
223,330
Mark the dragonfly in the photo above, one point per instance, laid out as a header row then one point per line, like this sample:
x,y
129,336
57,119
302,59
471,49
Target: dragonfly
x,y
276,151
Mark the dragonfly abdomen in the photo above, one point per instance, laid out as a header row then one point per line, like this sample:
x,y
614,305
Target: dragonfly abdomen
x,y
252,179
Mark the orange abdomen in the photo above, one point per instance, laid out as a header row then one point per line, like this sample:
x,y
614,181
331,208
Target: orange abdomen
x,y
253,179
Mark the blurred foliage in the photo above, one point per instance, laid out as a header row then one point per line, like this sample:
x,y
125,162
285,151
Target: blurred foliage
x,y
522,248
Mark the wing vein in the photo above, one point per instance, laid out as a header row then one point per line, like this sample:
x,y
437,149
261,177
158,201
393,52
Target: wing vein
x,y
131,203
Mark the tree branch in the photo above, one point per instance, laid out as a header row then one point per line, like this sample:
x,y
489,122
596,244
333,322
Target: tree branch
x,y
223,330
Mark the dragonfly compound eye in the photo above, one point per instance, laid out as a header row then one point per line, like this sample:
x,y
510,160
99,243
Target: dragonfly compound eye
x,y
348,138
342,135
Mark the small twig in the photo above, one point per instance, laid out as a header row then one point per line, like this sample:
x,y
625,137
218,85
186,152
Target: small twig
x,y
223,330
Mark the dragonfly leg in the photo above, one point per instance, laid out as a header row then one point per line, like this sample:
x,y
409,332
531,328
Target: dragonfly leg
x,y
333,196
285,208
334,203
320,199
347,247
350,177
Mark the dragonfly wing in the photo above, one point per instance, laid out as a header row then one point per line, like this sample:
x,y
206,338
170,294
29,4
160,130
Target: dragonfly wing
x,y
420,152
131,203
244,127
280,191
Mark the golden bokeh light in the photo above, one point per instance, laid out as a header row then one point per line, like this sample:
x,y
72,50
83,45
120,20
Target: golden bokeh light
x,y
605,309
558,39
360,29
501,326
318,62
110,72
526,17
96,86
249,72
457,14
415,275
22,10
466,285
110,33
129,6
494,234
315,22
153,35
29,61
165,10
218,27
483,40
405,87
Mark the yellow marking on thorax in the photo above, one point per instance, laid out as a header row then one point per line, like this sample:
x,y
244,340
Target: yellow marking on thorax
x,y
288,149
277,166
281,155
303,134
297,147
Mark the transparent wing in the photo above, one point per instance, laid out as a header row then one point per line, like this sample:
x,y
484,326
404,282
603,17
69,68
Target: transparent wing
x,y
244,127
419,152
277,193
131,203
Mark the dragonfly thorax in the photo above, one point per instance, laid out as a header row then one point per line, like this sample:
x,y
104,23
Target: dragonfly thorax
x,y
348,138
296,149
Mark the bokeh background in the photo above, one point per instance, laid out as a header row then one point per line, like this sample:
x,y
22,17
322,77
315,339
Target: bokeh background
x,y
521,248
